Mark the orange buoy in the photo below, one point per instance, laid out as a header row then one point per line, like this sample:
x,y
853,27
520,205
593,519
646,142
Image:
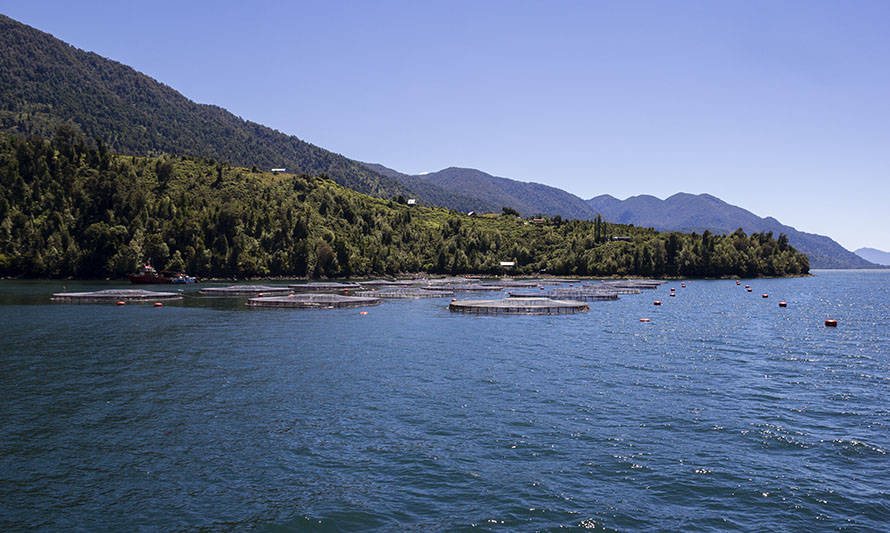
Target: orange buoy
x,y
764,295
159,304
645,320
656,302
831,323
121,302
363,313
783,304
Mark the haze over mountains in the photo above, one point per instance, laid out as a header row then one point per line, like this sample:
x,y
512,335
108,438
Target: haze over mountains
x,y
45,82
878,257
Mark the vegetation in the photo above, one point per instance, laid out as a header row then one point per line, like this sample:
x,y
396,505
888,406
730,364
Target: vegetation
x,y
71,208
45,83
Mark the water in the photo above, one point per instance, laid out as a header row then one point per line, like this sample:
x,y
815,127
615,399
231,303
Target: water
x,y
724,413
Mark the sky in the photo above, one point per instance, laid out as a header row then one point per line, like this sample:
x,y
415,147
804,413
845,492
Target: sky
x,y
779,107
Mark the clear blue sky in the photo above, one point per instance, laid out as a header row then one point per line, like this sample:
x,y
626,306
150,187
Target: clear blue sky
x,y
782,108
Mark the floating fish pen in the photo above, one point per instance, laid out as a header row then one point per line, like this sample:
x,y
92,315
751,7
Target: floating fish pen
x,y
556,281
245,290
390,283
634,284
438,287
615,288
323,286
519,306
569,294
518,283
405,292
585,294
313,301
114,296
468,287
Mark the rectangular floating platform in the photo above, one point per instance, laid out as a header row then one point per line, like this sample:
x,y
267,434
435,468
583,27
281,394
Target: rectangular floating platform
x,y
313,301
115,295
323,286
245,290
406,292
519,306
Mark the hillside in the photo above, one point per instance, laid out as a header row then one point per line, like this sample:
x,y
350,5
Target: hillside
x,y
71,209
434,195
494,193
45,82
689,212
878,257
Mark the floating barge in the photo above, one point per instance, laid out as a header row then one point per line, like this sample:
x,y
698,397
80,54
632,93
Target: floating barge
x,y
313,301
323,286
245,290
519,306
406,292
114,296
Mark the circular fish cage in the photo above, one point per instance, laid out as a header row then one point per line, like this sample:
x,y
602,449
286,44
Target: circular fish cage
x,y
519,306
406,292
245,290
312,301
517,283
391,283
477,287
324,286
114,296
590,295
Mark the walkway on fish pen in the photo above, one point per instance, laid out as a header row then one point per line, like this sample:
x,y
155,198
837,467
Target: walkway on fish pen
x,y
406,292
313,301
245,290
114,296
519,306
323,286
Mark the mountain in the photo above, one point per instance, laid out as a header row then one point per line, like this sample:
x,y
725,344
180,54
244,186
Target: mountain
x,y
879,257
433,194
45,82
494,192
689,212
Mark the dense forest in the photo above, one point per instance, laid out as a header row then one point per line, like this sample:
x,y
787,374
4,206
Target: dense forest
x,y
45,83
71,208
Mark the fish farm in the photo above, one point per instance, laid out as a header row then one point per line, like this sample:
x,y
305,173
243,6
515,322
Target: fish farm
x,y
571,293
324,287
519,306
245,290
406,292
313,301
115,295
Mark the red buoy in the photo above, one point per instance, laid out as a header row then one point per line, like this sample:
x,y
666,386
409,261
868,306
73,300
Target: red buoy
x,y
645,320
455,299
738,282
764,295
749,289
747,286
656,302
363,313
831,323
673,289
159,304
259,294
121,302
672,294
683,285
783,304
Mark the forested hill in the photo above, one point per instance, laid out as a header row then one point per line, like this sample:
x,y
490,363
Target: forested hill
x,y
45,82
697,212
71,209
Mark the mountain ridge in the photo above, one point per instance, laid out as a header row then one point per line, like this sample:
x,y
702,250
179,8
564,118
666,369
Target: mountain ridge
x,y
878,257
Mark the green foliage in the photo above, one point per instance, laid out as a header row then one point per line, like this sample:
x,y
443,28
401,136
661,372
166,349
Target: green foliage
x,y
45,83
70,208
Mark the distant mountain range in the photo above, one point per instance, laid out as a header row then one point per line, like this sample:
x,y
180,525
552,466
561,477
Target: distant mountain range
x,y
681,212
879,257
45,83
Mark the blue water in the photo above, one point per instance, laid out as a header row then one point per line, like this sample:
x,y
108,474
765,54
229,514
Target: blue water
x,y
724,412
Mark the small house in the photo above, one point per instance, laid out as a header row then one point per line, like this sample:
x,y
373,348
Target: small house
x,y
278,170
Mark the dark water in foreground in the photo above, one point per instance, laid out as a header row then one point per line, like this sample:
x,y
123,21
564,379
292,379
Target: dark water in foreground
x,y
723,413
